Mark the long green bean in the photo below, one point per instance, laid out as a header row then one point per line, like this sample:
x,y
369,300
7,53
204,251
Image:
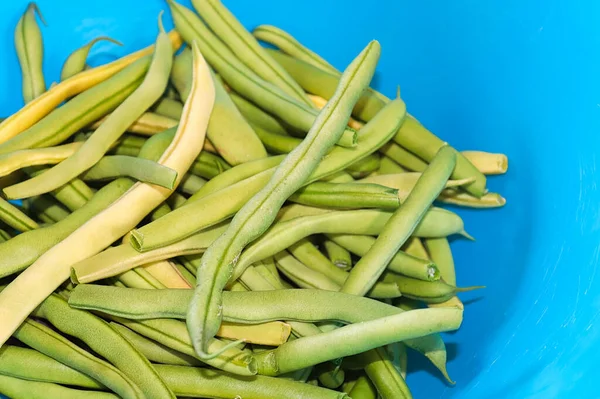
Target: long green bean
x,y
256,215
401,224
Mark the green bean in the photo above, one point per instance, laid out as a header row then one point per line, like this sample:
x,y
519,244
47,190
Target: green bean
x,y
401,225
337,254
133,279
293,306
339,177
31,365
73,195
191,184
22,389
4,236
208,165
440,252
148,124
436,223
364,167
79,112
401,262
177,225
389,166
76,61
405,182
107,134
198,382
487,200
181,73
302,275
15,218
173,334
381,371
276,143
307,253
50,343
235,175
256,116
256,215
289,45
403,158
426,291
244,80
246,47
168,107
330,375
356,338
154,351
347,196
363,389
143,170
106,342
413,136
30,51
118,259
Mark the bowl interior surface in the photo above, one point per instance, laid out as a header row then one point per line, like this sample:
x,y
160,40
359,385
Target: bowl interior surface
x,y
517,77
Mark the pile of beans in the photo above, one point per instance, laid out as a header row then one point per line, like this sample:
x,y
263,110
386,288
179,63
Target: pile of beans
x,y
208,217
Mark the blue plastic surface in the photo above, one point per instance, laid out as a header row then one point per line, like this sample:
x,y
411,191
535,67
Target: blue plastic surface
x,y
519,77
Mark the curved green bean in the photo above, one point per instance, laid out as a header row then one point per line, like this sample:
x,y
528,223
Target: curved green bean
x,y
426,291
289,45
76,61
30,51
94,148
73,195
246,47
178,225
144,170
260,211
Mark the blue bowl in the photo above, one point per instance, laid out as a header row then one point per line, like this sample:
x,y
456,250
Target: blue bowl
x,y
518,77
